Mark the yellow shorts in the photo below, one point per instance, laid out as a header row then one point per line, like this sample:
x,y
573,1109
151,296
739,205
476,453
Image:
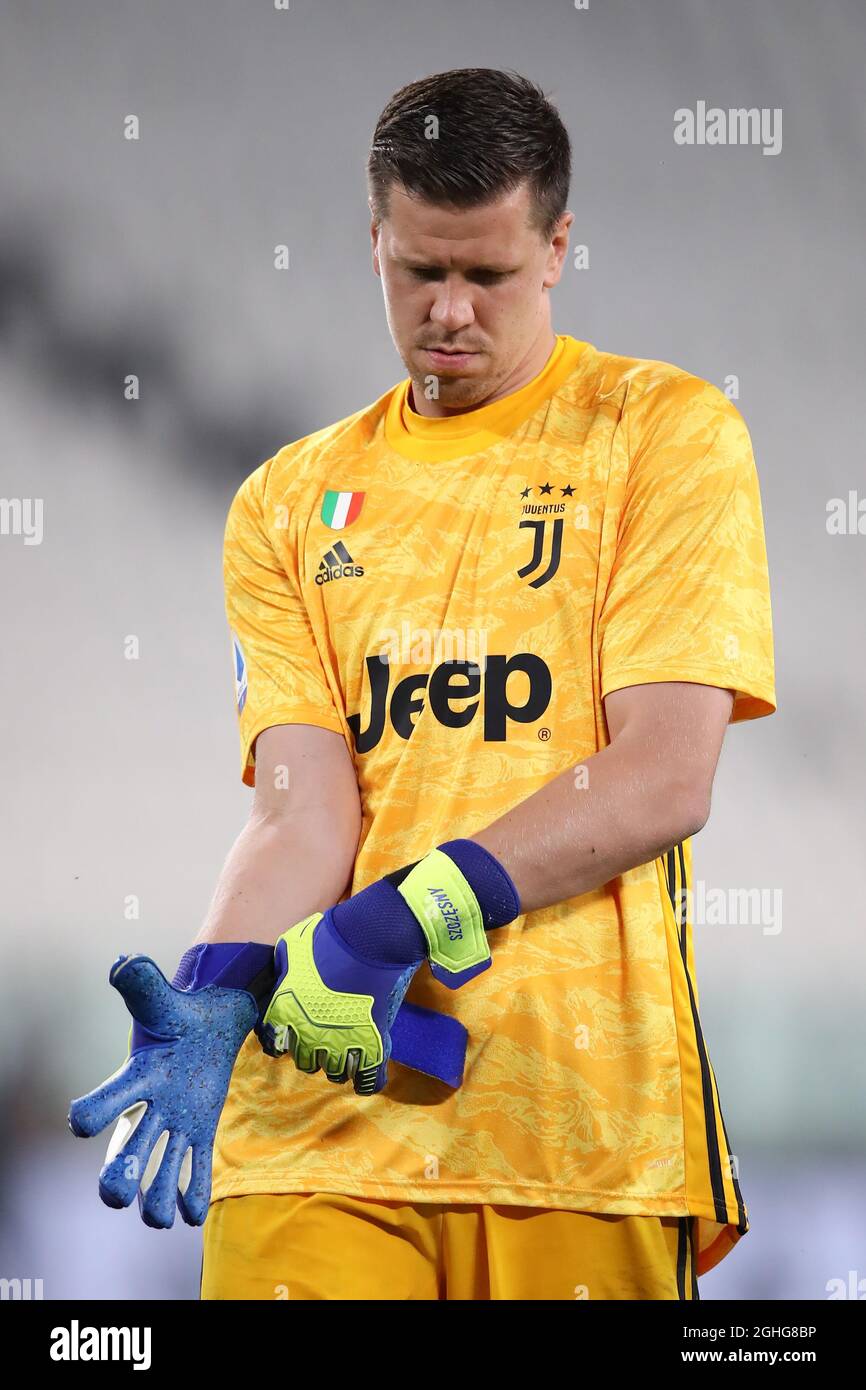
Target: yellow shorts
x,y
327,1246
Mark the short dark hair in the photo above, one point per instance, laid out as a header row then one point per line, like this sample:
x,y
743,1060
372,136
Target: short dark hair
x,y
495,131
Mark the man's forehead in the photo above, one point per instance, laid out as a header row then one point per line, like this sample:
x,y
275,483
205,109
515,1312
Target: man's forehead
x,y
417,229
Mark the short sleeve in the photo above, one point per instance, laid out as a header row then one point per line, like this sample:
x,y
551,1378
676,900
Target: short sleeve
x,y
688,597
279,678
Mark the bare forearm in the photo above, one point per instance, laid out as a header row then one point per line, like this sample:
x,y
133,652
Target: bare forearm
x,y
276,873
588,825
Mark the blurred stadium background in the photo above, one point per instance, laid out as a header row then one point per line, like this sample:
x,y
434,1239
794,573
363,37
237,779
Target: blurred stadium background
x,y
155,257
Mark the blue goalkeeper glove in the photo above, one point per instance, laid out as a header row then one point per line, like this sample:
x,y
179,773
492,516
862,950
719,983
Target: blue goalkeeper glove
x,y
342,975
169,1093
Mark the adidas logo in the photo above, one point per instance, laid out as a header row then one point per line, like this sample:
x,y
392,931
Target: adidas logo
x,y
338,564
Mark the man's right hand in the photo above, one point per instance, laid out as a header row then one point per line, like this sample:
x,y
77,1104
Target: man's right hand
x,y
341,976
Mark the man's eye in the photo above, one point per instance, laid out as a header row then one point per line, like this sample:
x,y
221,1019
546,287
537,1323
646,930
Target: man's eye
x,y
479,277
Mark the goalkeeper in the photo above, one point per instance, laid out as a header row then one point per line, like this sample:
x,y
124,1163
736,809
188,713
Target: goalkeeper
x,y
585,529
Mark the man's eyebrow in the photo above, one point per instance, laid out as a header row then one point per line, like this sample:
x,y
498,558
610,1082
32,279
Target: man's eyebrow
x,y
418,263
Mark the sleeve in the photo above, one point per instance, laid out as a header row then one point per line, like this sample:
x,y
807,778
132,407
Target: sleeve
x,y
279,678
688,597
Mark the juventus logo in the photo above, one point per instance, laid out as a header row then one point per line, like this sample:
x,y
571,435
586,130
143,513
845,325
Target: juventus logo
x,y
539,542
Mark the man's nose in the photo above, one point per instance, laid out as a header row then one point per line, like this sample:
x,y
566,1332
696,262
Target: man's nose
x,y
452,308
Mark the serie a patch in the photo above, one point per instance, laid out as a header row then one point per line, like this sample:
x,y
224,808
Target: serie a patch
x,y
240,674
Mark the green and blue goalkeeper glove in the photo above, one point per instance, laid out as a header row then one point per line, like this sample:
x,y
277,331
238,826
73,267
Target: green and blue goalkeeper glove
x,y
342,975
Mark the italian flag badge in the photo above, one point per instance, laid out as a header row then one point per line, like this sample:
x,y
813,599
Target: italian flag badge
x,y
340,509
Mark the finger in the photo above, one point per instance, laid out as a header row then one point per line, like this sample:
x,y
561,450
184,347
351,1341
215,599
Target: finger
x,y
126,1160
157,1197
278,1039
147,994
193,1194
309,1058
349,1066
91,1113
369,1080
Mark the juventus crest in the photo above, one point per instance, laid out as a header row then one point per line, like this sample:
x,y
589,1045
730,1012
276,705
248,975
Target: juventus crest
x,y
545,521
546,550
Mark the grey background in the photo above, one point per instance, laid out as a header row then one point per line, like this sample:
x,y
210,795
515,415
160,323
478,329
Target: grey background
x,y
156,257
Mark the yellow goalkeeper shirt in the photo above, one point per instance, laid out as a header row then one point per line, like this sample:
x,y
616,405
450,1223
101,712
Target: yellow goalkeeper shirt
x,y
456,597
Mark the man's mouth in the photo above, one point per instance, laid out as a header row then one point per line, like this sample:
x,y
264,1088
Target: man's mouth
x,y
454,356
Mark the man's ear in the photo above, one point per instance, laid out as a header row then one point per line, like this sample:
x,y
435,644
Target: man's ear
x,y
375,228
558,251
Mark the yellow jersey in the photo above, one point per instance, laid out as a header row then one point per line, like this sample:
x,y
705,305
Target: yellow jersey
x,y
456,597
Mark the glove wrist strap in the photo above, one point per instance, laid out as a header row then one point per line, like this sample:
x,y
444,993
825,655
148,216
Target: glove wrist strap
x,y
450,917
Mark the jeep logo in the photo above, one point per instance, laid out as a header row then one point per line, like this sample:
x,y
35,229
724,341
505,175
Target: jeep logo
x,y
445,684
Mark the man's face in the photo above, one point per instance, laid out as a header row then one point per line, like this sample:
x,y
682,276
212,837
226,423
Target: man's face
x,y
474,280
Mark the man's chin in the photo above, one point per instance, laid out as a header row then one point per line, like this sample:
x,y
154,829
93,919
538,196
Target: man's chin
x,y
452,391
